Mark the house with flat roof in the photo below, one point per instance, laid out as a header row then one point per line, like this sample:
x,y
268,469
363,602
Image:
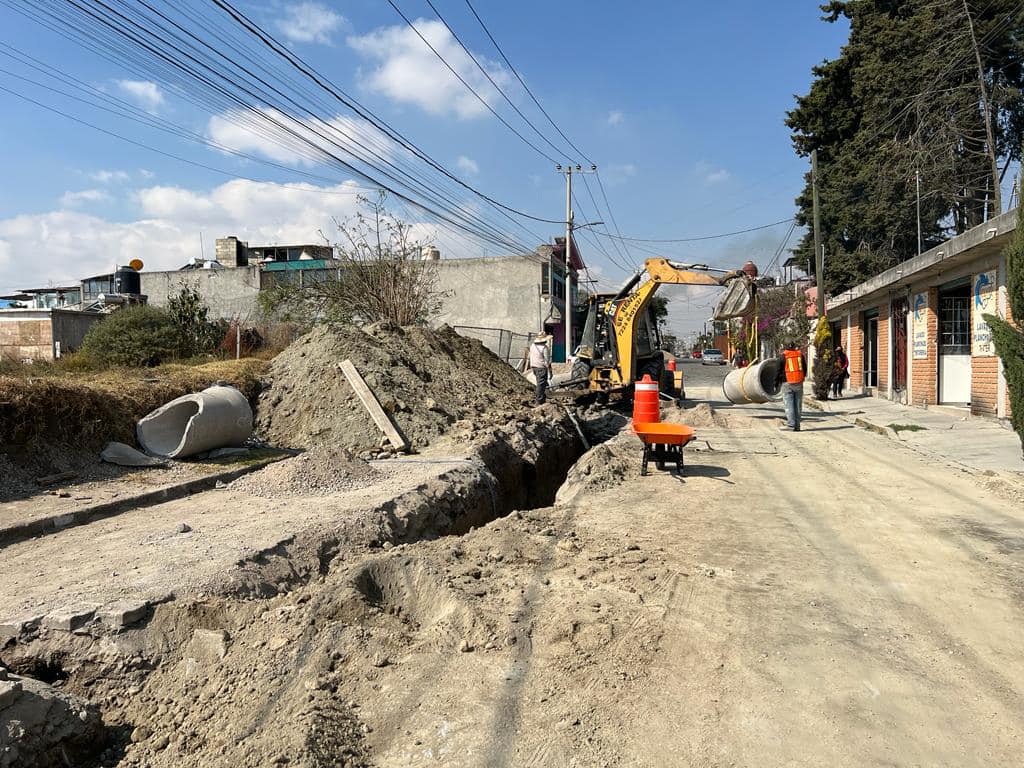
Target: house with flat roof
x,y
916,333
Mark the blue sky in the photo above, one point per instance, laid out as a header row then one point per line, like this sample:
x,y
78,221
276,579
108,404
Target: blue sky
x,y
681,105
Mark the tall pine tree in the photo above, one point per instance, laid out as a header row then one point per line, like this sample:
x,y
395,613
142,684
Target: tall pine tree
x,y
905,98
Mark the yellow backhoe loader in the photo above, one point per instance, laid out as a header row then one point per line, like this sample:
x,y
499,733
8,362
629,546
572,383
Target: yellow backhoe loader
x,y
621,342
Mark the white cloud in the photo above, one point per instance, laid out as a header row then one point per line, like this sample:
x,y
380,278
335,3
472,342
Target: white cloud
x,y
710,174
279,136
615,117
165,233
146,93
467,165
310,23
109,177
146,174
71,199
409,72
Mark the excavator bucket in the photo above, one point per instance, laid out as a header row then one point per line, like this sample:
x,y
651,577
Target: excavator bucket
x,y
737,301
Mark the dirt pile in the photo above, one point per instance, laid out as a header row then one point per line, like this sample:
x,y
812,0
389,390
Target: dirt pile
x,y
320,471
605,466
703,415
426,379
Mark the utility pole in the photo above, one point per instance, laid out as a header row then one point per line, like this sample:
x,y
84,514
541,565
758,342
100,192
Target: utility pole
x,y
568,270
917,178
819,252
570,225
996,202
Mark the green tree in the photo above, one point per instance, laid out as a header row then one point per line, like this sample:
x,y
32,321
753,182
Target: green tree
x,y
1008,337
659,309
135,337
197,335
905,98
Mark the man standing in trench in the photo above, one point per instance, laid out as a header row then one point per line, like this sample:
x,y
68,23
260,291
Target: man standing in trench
x,y
793,363
540,364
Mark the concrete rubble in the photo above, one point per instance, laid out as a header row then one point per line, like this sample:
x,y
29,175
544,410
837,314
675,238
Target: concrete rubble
x,y
42,726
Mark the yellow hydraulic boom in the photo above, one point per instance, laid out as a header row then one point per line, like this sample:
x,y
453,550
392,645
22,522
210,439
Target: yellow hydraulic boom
x,y
620,341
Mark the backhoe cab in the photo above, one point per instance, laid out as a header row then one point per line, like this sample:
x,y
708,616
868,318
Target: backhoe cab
x,y
621,341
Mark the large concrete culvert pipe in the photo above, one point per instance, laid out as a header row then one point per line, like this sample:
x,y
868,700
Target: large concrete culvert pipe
x,y
214,418
756,383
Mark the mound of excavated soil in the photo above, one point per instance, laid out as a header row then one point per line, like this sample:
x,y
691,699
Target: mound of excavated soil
x,y
319,471
703,415
605,466
426,379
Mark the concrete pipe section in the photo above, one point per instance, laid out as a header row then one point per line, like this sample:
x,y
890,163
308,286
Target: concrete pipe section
x,y
214,418
756,383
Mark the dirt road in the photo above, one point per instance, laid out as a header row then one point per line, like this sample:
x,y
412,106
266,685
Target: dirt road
x,y
815,598
837,602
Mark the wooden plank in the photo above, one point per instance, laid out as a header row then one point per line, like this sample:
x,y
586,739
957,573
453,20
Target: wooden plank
x,y
372,406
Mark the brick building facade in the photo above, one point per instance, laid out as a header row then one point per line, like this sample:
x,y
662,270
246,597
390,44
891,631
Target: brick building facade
x,y
915,333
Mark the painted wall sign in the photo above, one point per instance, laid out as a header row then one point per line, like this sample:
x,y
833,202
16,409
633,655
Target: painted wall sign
x,y
983,302
919,322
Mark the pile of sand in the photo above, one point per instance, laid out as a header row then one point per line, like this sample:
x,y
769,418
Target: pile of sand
x,y
426,379
703,415
317,472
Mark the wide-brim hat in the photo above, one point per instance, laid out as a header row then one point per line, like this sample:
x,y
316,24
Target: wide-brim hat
x,y
542,338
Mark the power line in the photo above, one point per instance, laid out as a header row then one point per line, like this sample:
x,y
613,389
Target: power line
x,y
281,50
696,239
469,87
523,83
490,78
220,85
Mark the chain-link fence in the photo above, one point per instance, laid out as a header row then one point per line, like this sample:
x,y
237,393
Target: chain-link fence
x,y
509,346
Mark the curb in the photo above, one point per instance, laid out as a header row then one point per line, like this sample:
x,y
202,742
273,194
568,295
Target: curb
x,y
45,526
877,429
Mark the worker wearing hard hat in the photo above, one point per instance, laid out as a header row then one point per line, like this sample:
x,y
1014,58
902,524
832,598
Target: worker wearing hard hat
x,y
540,364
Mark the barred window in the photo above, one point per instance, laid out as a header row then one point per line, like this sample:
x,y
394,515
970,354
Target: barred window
x,y
955,325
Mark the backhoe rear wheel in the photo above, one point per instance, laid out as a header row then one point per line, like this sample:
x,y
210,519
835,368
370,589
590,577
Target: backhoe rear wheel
x,y
580,370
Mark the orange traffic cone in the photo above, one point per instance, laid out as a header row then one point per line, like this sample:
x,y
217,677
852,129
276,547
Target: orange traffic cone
x,y
646,409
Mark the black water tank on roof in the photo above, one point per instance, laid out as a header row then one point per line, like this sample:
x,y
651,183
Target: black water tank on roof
x,y
128,281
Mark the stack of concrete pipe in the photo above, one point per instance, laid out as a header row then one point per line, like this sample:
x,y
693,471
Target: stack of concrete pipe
x,y
757,383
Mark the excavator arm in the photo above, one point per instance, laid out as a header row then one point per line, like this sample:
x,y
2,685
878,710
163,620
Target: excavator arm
x,y
629,306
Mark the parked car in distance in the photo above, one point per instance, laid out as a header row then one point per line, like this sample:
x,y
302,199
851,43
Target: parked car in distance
x,y
696,354
712,357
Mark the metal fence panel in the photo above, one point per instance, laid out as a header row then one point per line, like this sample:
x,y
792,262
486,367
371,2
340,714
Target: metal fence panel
x,y
506,345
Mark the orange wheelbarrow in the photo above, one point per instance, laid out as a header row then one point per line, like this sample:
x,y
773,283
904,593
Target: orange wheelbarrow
x,y
663,443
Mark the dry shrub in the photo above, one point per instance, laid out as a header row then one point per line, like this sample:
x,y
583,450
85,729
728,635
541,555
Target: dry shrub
x,y
87,410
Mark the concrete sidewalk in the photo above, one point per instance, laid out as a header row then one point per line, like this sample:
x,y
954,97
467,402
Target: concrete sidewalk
x,y
975,443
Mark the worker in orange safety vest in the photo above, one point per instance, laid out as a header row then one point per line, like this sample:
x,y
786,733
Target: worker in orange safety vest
x,y
792,368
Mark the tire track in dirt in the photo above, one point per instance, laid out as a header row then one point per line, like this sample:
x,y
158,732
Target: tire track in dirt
x,y
996,681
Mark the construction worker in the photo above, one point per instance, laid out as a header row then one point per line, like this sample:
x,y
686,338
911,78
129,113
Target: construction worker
x,y
540,364
793,365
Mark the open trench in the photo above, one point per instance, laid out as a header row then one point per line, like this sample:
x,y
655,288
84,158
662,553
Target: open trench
x,y
277,665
